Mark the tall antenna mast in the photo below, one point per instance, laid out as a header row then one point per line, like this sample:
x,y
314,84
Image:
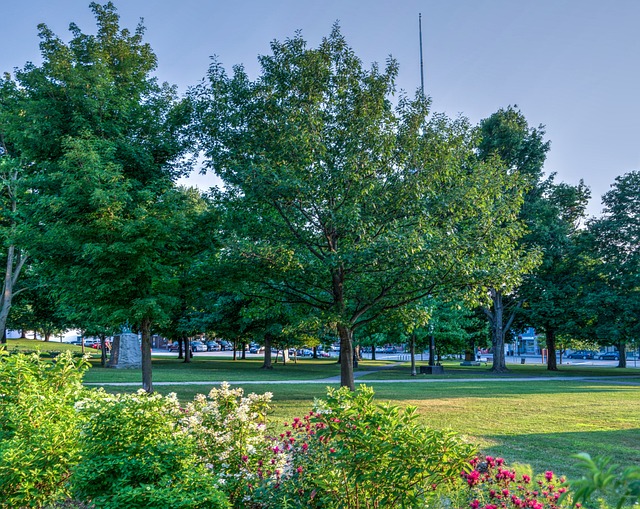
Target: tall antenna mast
x,y
421,65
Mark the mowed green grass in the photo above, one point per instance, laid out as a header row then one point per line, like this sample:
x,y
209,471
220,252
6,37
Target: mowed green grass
x,y
216,369
541,423
32,345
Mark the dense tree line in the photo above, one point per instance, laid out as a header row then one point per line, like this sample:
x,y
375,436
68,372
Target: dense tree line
x,y
348,210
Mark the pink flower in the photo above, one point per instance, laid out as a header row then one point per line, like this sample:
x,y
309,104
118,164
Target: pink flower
x,y
548,475
472,477
299,469
475,504
245,458
305,446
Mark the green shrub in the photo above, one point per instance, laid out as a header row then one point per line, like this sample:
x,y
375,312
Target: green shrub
x,y
38,434
604,483
134,455
353,453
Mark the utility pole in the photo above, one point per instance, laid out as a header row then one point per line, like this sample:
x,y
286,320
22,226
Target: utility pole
x,y
421,64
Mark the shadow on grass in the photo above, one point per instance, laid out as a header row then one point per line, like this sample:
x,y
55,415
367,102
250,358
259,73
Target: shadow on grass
x,y
554,451
455,371
217,370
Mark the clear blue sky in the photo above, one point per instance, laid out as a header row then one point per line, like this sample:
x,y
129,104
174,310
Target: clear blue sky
x,y
572,65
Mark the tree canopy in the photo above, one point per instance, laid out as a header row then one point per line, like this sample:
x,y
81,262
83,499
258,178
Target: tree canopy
x,y
342,203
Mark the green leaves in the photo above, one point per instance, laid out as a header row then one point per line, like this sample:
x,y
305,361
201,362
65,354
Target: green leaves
x,y
343,204
351,451
601,477
38,436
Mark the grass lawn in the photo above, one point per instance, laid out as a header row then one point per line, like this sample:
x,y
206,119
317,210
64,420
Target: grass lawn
x,y
453,370
31,345
217,369
541,423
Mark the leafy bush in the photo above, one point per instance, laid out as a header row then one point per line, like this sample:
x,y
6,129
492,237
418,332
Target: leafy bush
x,y
230,432
350,452
605,483
38,437
134,455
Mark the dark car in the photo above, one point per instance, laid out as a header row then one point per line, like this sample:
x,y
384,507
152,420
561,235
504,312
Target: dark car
x,y
198,346
174,347
581,354
225,344
213,346
609,356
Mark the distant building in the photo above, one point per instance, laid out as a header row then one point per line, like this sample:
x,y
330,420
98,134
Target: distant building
x,y
527,343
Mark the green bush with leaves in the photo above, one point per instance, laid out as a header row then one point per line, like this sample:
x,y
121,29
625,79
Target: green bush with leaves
x,y
605,484
350,452
135,455
38,434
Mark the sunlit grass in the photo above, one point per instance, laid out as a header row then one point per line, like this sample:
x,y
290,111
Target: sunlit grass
x,y
541,423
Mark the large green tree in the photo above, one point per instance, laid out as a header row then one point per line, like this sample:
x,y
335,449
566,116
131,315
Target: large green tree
x,y
99,139
342,203
615,294
506,135
551,291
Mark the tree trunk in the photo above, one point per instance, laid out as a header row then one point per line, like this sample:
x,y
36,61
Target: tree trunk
x,y
315,352
188,353
622,350
15,262
180,347
373,352
103,350
235,349
267,353
146,355
47,336
346,352
550,337
412,347
243,355
498,327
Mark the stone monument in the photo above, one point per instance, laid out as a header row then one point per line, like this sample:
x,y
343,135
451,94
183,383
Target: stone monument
x,y
125,350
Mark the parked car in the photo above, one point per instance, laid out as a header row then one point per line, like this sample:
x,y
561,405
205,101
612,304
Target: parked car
x,y
582,354
213,346
225,345
175,346
609,356
255,348
87,342
198,346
